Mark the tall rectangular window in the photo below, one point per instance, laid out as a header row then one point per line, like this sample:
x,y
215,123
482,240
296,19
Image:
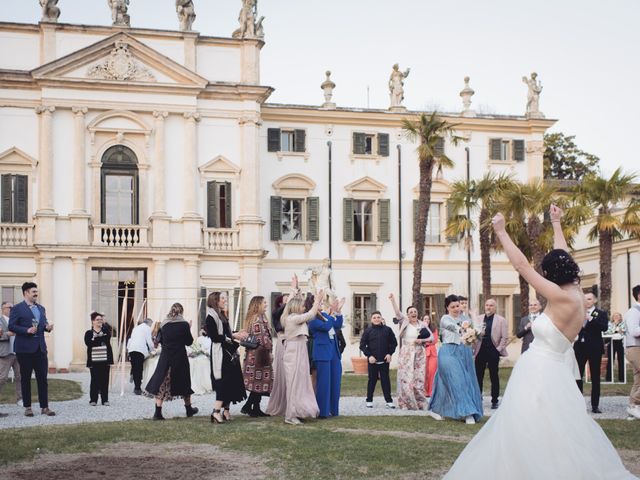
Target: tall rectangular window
x,y
433,224
218,204
291,220
119,197
363,305
13,192
286,141
363,221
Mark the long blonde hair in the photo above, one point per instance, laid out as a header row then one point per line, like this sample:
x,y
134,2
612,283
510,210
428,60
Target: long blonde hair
x,y
295,306
255,304
175,310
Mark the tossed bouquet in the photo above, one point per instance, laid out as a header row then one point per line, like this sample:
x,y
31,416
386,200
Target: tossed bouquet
x,y
469,334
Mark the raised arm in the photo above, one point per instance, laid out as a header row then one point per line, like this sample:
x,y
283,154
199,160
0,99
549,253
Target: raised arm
x,y
546,288
558,235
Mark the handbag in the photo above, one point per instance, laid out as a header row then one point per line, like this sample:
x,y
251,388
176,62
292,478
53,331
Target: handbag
x,y
99,354
250,343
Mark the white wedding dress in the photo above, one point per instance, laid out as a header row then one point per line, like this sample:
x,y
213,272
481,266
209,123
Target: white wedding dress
x,y
542,429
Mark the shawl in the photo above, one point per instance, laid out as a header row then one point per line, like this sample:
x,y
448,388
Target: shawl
x,y
216,348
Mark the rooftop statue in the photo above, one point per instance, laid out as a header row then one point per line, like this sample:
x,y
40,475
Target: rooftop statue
x,y
396,85
119,14
533,96
249,27
50,12
186,14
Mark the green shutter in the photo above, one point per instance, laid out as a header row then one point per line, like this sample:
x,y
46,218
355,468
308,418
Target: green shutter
x,y
7,198
313,219
517,305
383,144
227,205
274,297
273,139
299,139
384,214
439,306
276,218
495,149
415,220
359,143
21,199
439,147
212,204
451,214
518,150
347,219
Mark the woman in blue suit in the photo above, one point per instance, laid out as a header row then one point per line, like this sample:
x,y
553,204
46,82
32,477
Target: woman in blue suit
x,y
326,354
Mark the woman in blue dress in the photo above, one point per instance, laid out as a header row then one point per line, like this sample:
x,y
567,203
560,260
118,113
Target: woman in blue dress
x,y
456,393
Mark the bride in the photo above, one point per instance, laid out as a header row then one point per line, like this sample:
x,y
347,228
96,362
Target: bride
x,y
542,429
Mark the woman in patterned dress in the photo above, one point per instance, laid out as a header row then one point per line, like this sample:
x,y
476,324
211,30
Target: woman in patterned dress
x,y
258,368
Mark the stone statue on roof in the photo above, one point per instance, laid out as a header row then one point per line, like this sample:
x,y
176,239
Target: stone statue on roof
x,y
396,86
533,96
50,12
249,26
186,14
119,15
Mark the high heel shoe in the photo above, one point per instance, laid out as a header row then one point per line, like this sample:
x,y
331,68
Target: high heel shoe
x,y
215,419
226,414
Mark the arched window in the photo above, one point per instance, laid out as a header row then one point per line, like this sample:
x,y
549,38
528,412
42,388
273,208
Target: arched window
x,y
119,186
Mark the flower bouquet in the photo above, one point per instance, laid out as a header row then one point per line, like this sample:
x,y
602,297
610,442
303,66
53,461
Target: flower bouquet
x,y
469,334
195,350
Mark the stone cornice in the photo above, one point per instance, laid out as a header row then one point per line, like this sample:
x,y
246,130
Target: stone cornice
x,y
384,118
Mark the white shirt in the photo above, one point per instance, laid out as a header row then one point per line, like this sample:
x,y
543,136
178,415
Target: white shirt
x,y
632,320
141,340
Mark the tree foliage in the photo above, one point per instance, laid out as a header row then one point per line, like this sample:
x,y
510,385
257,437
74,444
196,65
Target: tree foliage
x,y
563,160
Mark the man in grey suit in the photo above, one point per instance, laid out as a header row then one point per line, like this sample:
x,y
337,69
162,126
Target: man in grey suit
x,y
524,329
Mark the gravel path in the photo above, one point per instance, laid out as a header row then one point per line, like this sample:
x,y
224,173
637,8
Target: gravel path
x,y
133,407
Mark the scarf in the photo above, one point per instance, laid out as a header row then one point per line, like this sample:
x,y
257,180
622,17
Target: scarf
x,y
168,320
216,348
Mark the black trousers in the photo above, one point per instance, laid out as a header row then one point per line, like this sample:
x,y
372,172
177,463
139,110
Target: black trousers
x,y
137,367
382,371
618,352
99,382
594,357
489,357
34,362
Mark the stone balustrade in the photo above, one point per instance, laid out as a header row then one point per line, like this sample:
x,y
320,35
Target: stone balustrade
x,y
121,235
222,239
16,235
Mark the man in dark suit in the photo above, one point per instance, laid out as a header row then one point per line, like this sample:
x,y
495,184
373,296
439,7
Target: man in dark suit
x,y
589,347
28,321
524,329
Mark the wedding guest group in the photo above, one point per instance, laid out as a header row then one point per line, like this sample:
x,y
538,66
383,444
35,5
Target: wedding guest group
x,y
589,347
632,340
8,358
525,331
99,359
378,343
28,320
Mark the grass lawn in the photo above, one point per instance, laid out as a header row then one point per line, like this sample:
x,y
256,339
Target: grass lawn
x,y
353,447
356,385
59,390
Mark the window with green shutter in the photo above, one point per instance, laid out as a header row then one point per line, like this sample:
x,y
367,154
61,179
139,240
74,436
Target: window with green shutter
x,y
276,218
495,149
451,214
299,139
383,144
359,143
347,219
218,204
14,206
313,219
439,147
518,150
384,220
363,304
273,139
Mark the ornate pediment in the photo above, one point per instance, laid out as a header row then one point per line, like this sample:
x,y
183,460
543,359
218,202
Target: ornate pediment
x,y
17,160
365,186
121,61
294,184
219,165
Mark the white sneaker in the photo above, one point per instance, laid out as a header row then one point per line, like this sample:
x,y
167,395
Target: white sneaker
x,y
434,415
390,405
634,411
369,404
292,421
470,420
19,403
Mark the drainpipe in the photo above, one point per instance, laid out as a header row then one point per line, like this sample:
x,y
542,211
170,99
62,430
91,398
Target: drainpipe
x,y
628,277
466,149
399,226
330,212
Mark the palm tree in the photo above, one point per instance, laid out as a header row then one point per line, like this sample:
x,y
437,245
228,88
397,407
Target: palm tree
x,y
474,195
618,214
429,131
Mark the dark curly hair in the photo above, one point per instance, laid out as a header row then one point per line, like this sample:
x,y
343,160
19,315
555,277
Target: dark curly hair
x,y
559,267
450,299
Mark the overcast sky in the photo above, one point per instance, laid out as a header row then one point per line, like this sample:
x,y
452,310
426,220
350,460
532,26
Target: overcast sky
x,y
584,51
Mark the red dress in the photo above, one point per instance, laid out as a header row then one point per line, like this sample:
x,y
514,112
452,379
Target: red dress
x,y
432,364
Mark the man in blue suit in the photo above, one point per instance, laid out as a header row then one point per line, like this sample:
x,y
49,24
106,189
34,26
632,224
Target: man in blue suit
x,y
28,321
326,355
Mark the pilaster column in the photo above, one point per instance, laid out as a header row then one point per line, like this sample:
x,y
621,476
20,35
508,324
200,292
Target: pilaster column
x,y
46,294
158,305
79,174
192,280
80,320
45,160
159,205
249,221
190,164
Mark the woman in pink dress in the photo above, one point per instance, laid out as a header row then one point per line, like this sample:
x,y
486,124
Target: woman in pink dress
x,y
431,354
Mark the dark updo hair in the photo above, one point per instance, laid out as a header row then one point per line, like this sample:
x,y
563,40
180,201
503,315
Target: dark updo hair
x,y
559,267
450,299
